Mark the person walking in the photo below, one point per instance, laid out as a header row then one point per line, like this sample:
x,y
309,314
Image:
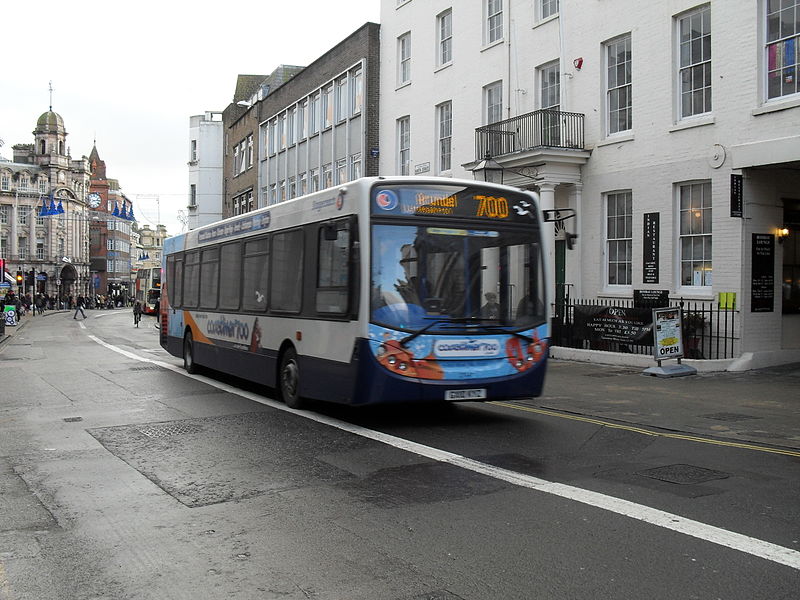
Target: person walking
x,y
79,307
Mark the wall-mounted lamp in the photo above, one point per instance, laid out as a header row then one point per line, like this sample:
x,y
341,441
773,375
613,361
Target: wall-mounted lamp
x,y
578,63
782,233
491,171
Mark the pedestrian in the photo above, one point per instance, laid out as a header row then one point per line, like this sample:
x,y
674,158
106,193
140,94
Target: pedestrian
x,y
79,307
158,313
40,304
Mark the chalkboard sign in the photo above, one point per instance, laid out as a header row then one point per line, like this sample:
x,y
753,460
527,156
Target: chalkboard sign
x,y
762,291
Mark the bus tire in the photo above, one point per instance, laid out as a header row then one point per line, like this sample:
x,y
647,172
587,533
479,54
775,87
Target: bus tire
x,y
188,354
289,380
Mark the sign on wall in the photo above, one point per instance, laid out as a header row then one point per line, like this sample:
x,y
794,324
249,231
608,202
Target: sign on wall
x,y
650,233
762,285
737,195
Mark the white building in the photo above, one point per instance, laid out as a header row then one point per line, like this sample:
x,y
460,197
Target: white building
x,y
206,146
628,112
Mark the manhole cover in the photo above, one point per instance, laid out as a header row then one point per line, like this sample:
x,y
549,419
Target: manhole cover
x,y
160,431
683,474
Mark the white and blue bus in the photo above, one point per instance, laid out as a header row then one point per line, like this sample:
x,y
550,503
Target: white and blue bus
x,y
386,289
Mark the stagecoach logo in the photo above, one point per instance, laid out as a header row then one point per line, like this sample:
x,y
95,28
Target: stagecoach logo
x,y
386,200
466,348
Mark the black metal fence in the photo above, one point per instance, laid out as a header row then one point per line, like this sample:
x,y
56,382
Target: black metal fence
x,y
709,330
541,128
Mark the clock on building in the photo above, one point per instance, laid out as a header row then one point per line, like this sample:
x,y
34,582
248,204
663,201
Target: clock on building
x,y
94,199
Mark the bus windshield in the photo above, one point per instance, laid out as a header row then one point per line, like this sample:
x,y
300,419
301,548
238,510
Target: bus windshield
x,y
445,279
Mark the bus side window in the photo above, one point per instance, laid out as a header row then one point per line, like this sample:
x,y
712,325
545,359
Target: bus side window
x,y
333,268
176,286
209,278
255,279
191,280
230,276
286,285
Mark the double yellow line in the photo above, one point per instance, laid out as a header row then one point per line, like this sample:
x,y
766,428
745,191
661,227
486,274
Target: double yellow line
x,y
674,436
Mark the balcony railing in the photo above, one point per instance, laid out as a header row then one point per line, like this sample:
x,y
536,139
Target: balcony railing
x,y
539,129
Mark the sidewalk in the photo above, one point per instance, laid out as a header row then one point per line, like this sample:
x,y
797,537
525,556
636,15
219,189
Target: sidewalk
x,y
760,406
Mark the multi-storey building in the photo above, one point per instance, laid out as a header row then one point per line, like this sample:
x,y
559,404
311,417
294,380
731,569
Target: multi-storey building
x,y
110,233
240,122
321,128
206,134
671,129
44,219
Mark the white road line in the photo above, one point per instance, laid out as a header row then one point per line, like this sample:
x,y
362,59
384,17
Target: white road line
x,y
660,518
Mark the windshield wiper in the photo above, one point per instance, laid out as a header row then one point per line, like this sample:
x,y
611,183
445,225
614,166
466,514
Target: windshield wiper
x,y
499,328
473,321
408,338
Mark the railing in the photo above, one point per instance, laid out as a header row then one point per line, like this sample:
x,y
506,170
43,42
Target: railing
x,y
539,129
709,331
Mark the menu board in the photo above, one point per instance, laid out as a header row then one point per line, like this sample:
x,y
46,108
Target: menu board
x,y
762,286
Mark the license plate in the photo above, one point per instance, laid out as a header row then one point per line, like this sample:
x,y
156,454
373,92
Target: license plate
x,y
476,394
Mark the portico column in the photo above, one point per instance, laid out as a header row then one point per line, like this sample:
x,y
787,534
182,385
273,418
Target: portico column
x,y
576,202
547,199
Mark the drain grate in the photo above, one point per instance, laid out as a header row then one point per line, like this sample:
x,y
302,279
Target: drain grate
x,y
72,419
683,474
147,368
724,416
160,431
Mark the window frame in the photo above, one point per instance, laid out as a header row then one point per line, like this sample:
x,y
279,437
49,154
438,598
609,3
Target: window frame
x,y
404,59
690,69
444,38
404,145
706,200
493,22
779,43
444,136
616,238
612,84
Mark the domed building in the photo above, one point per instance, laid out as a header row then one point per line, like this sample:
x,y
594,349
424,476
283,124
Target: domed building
x,y
44,219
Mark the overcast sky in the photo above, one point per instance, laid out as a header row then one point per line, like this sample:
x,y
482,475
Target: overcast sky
x,y
131,74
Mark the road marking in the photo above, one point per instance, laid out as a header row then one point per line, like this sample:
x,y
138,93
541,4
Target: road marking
x,y
643,431
639,512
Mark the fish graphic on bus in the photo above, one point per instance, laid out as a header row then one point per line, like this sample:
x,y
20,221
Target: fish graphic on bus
x,y
523,359
401,361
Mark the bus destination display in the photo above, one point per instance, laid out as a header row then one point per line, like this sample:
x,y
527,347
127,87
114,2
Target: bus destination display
x,y
452,202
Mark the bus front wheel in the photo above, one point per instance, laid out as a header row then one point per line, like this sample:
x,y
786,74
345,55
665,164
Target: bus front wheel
x,y
289,380
188,354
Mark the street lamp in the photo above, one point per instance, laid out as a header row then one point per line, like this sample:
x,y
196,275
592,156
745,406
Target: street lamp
x,y
488,170
491,171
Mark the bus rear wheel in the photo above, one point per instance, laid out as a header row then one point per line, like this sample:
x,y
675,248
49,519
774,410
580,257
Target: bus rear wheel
x,y
289,380
188,354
